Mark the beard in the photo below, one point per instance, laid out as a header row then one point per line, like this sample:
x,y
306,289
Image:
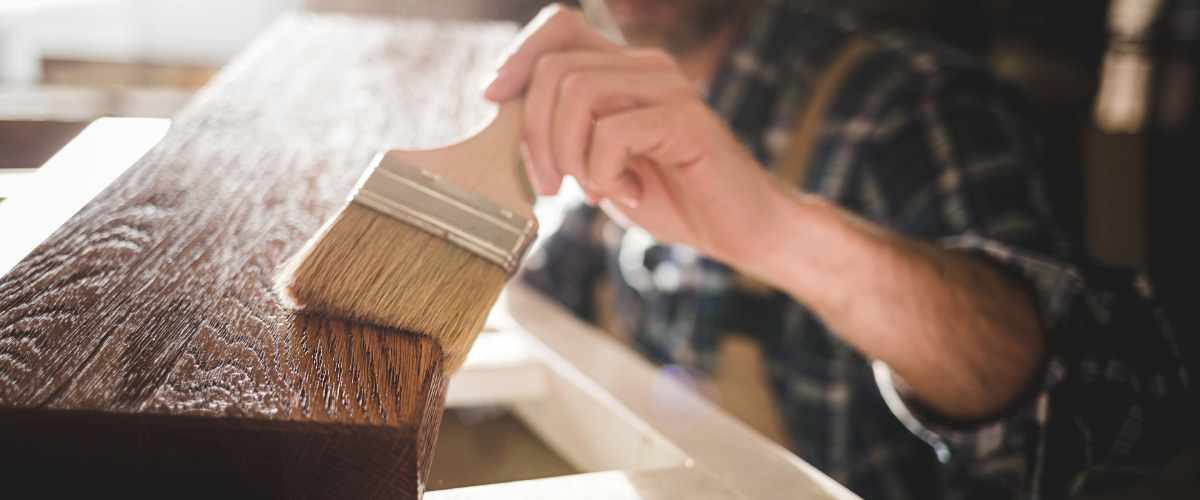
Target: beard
x,y
678,26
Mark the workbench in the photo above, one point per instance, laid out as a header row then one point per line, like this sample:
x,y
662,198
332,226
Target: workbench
x,y
135,303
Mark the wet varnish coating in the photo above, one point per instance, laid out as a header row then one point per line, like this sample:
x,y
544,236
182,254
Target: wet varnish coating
x,y
141,347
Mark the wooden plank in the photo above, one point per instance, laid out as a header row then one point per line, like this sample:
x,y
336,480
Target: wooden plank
x,y
660,484
499,371
671,416
141,347
589,427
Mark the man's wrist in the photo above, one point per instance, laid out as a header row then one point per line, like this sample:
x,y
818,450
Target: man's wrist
x,y
803,230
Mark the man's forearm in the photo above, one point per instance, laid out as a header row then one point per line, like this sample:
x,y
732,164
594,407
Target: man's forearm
x,y
964,337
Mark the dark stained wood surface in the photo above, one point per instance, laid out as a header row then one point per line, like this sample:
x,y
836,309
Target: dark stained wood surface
x,y
141,347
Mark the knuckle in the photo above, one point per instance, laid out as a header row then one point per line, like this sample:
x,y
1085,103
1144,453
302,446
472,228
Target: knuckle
x,y
659,120
533,140
603,133
575,84
550,64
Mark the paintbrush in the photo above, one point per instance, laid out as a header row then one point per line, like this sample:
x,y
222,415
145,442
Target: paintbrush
x,y
426,240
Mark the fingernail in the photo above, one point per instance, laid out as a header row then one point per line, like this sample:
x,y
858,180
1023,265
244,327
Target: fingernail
x,y
545,182
540,180
590,196
539,177
627,201
534,179
629,190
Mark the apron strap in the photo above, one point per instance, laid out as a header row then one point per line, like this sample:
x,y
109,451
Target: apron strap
x,y
791,169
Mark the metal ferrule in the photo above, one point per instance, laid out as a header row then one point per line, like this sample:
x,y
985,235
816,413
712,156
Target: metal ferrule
x,y
424,199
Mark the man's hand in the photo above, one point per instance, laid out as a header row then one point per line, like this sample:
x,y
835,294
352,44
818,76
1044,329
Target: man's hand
x,y
631,129
635,134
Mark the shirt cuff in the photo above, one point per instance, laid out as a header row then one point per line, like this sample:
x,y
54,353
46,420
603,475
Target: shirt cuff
x,y
997,447
1115,419
1052,281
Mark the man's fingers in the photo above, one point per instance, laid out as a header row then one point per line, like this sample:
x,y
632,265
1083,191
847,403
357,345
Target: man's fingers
x,y
542,96
617,140
545,182
586,96
655,211
556,28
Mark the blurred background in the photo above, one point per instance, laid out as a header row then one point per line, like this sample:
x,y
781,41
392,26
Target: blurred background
x,y
1111,85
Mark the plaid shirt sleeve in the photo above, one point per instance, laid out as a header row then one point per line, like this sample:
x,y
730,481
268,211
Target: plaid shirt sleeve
x,y
1111,401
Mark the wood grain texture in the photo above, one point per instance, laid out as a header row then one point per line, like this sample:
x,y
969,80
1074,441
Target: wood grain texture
x,y
141,347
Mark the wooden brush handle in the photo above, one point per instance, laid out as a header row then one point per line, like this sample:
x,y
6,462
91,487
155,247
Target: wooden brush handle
x,y
526,186
487,162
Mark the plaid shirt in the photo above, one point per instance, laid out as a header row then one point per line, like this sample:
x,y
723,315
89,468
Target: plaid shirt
x,y
920,140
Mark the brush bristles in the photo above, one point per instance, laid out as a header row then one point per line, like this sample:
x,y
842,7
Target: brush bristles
x,y
367,267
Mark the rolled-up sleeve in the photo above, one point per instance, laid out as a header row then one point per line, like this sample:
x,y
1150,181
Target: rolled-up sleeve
x,y
1110,407
1111,403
